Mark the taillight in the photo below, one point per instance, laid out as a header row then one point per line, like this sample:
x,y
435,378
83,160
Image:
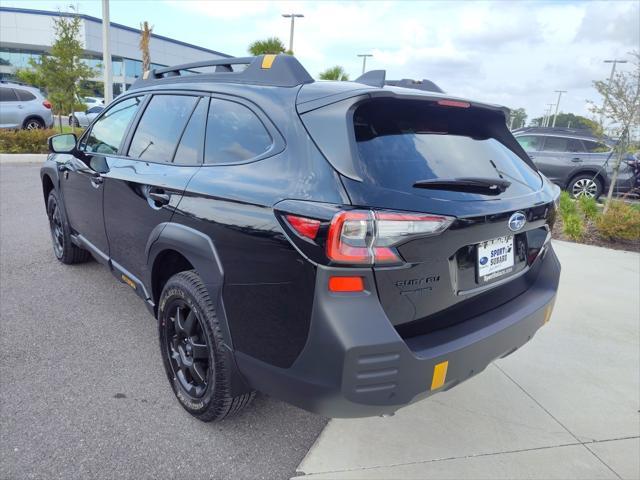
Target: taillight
x,y
306,227
366,237
453,103
47,104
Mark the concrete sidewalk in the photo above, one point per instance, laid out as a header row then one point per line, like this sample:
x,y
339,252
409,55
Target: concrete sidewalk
x,y
564,406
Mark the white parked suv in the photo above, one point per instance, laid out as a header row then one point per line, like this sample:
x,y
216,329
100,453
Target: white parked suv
x,y
25,107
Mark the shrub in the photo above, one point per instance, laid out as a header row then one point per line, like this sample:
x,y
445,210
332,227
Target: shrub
x,y
567,205
621,222
589,207
25,141
573,226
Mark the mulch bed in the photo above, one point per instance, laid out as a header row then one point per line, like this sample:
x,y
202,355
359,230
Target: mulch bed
x,y
591,237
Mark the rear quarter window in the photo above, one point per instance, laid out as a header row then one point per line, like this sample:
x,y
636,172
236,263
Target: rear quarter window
x,y
402,142
234,134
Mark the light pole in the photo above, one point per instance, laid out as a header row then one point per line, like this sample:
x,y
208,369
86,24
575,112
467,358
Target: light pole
x,y
364,59
106,54
555,115
547,114
293,17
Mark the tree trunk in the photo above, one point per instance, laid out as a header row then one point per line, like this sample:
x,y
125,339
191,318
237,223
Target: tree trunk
x,y
622,146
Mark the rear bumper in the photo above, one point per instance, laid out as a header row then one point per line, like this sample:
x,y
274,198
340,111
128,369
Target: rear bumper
x,y
356,365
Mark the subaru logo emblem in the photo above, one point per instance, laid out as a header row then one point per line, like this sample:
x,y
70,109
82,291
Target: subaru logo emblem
x,y
517,221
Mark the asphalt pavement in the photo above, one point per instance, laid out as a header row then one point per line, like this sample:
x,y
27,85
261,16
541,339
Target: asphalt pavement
x,y
83,393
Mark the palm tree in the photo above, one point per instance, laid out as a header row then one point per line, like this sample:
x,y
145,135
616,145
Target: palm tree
x,y
145,37
271,45
334,73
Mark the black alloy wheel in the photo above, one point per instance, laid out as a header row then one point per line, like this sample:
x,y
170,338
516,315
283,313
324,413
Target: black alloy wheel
x,y
187,349
196,359
56,227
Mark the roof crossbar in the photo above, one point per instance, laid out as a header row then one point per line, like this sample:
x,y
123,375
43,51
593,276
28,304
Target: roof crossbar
x,y
273,70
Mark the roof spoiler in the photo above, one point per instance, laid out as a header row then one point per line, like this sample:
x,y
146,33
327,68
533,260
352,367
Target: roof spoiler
x,y
377,78
373,78
273,70
425,85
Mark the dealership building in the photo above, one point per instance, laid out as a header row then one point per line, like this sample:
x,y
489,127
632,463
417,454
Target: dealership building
x,y
26,34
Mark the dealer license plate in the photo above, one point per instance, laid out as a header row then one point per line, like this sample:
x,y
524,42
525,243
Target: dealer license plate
x,y
495,258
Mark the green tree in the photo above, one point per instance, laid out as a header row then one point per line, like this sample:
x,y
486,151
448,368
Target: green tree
x,y
61,72
518,118
571,120
334,73
271,45
621,107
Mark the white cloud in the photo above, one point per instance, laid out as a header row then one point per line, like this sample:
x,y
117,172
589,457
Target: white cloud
x,y
516,53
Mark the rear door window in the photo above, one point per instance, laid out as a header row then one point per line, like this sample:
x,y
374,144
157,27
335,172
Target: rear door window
x,y
530,143
191,144
574,145
24,96
234,134
161,126
8,95
402,142
555,144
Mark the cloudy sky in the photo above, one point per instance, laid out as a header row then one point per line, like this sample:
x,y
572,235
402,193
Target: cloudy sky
x,y
514,53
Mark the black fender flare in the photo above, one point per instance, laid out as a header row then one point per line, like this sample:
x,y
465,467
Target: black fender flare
x,y
201,252
195,246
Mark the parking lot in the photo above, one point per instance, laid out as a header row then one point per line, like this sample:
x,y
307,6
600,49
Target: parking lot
x,y
83,393
82,390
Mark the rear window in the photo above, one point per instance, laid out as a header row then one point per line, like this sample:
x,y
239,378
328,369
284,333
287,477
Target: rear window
x,y
402,142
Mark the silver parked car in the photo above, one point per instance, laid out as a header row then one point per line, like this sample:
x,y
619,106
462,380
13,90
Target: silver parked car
x,y
23,107
83,119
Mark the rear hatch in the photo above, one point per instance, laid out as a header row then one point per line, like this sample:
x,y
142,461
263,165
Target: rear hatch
x,y
442,157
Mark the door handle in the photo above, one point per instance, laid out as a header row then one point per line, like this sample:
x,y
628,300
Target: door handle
x,y
160,197
97,180
20,106
576,159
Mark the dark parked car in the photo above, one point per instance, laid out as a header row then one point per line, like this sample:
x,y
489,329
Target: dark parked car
x,y
575,160
347,247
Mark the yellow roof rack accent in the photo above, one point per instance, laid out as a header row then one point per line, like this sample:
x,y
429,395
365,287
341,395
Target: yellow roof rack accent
x,y
267,61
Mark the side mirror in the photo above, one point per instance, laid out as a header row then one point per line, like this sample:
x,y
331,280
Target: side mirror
x,y
63,143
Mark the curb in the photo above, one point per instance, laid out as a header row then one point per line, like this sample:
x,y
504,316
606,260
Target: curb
x,y
19,158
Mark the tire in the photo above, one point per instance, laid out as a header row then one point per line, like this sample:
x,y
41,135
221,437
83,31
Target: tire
x,y
191,346
585,185
63,247
33,123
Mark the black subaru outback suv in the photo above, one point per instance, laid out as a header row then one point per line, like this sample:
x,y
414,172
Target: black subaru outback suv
x,y
348,247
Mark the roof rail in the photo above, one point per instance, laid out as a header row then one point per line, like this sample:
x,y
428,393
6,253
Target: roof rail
x,y
272,70
577,131
425,85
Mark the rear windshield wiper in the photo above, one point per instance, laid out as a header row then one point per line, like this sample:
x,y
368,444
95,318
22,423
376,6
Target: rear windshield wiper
x,y
484,186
